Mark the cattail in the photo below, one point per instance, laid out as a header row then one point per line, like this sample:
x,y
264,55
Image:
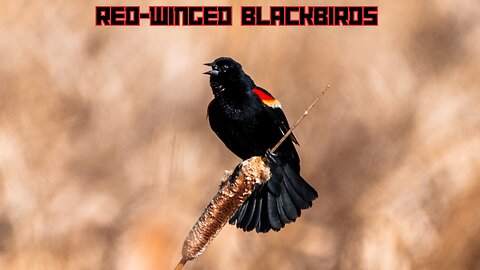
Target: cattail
x,y
234,190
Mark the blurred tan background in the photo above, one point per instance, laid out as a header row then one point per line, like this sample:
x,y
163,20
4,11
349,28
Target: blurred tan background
x,y
107,160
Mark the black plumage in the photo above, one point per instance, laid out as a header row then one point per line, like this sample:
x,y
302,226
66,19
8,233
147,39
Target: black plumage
x,y
249,121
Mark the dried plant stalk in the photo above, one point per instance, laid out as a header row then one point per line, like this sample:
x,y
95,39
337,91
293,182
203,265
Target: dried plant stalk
x,y
233,192
286,135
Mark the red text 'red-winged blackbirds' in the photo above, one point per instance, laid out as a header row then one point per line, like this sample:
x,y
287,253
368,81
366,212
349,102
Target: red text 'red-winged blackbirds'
x,y
250,121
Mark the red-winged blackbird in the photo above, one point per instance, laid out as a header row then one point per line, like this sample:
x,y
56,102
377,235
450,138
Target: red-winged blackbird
x,y
250,121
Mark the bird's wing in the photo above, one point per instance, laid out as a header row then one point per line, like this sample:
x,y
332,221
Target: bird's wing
x,y
274,108
280,201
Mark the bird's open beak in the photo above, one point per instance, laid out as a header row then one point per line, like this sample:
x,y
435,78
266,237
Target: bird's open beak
x,y
212,72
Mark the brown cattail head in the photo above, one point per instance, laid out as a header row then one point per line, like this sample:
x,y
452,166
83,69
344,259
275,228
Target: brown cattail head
x,y
235,188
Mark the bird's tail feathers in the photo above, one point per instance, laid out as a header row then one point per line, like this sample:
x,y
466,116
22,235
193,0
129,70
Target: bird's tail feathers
x,y
276,203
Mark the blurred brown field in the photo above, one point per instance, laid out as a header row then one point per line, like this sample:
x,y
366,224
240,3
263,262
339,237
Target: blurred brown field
x,y
107,160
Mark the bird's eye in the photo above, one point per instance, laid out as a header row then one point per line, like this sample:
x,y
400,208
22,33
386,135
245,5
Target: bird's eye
x,y
225,67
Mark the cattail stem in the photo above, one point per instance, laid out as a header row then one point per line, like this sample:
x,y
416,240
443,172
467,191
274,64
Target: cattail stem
x,y
285,136
181,264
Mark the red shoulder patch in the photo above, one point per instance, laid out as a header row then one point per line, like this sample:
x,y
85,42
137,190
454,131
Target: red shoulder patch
x,y
266,98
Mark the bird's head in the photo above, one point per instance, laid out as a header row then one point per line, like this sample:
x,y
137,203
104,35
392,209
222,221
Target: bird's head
x,y
225,70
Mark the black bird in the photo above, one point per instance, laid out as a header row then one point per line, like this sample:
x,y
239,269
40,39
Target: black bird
x,y
250,121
